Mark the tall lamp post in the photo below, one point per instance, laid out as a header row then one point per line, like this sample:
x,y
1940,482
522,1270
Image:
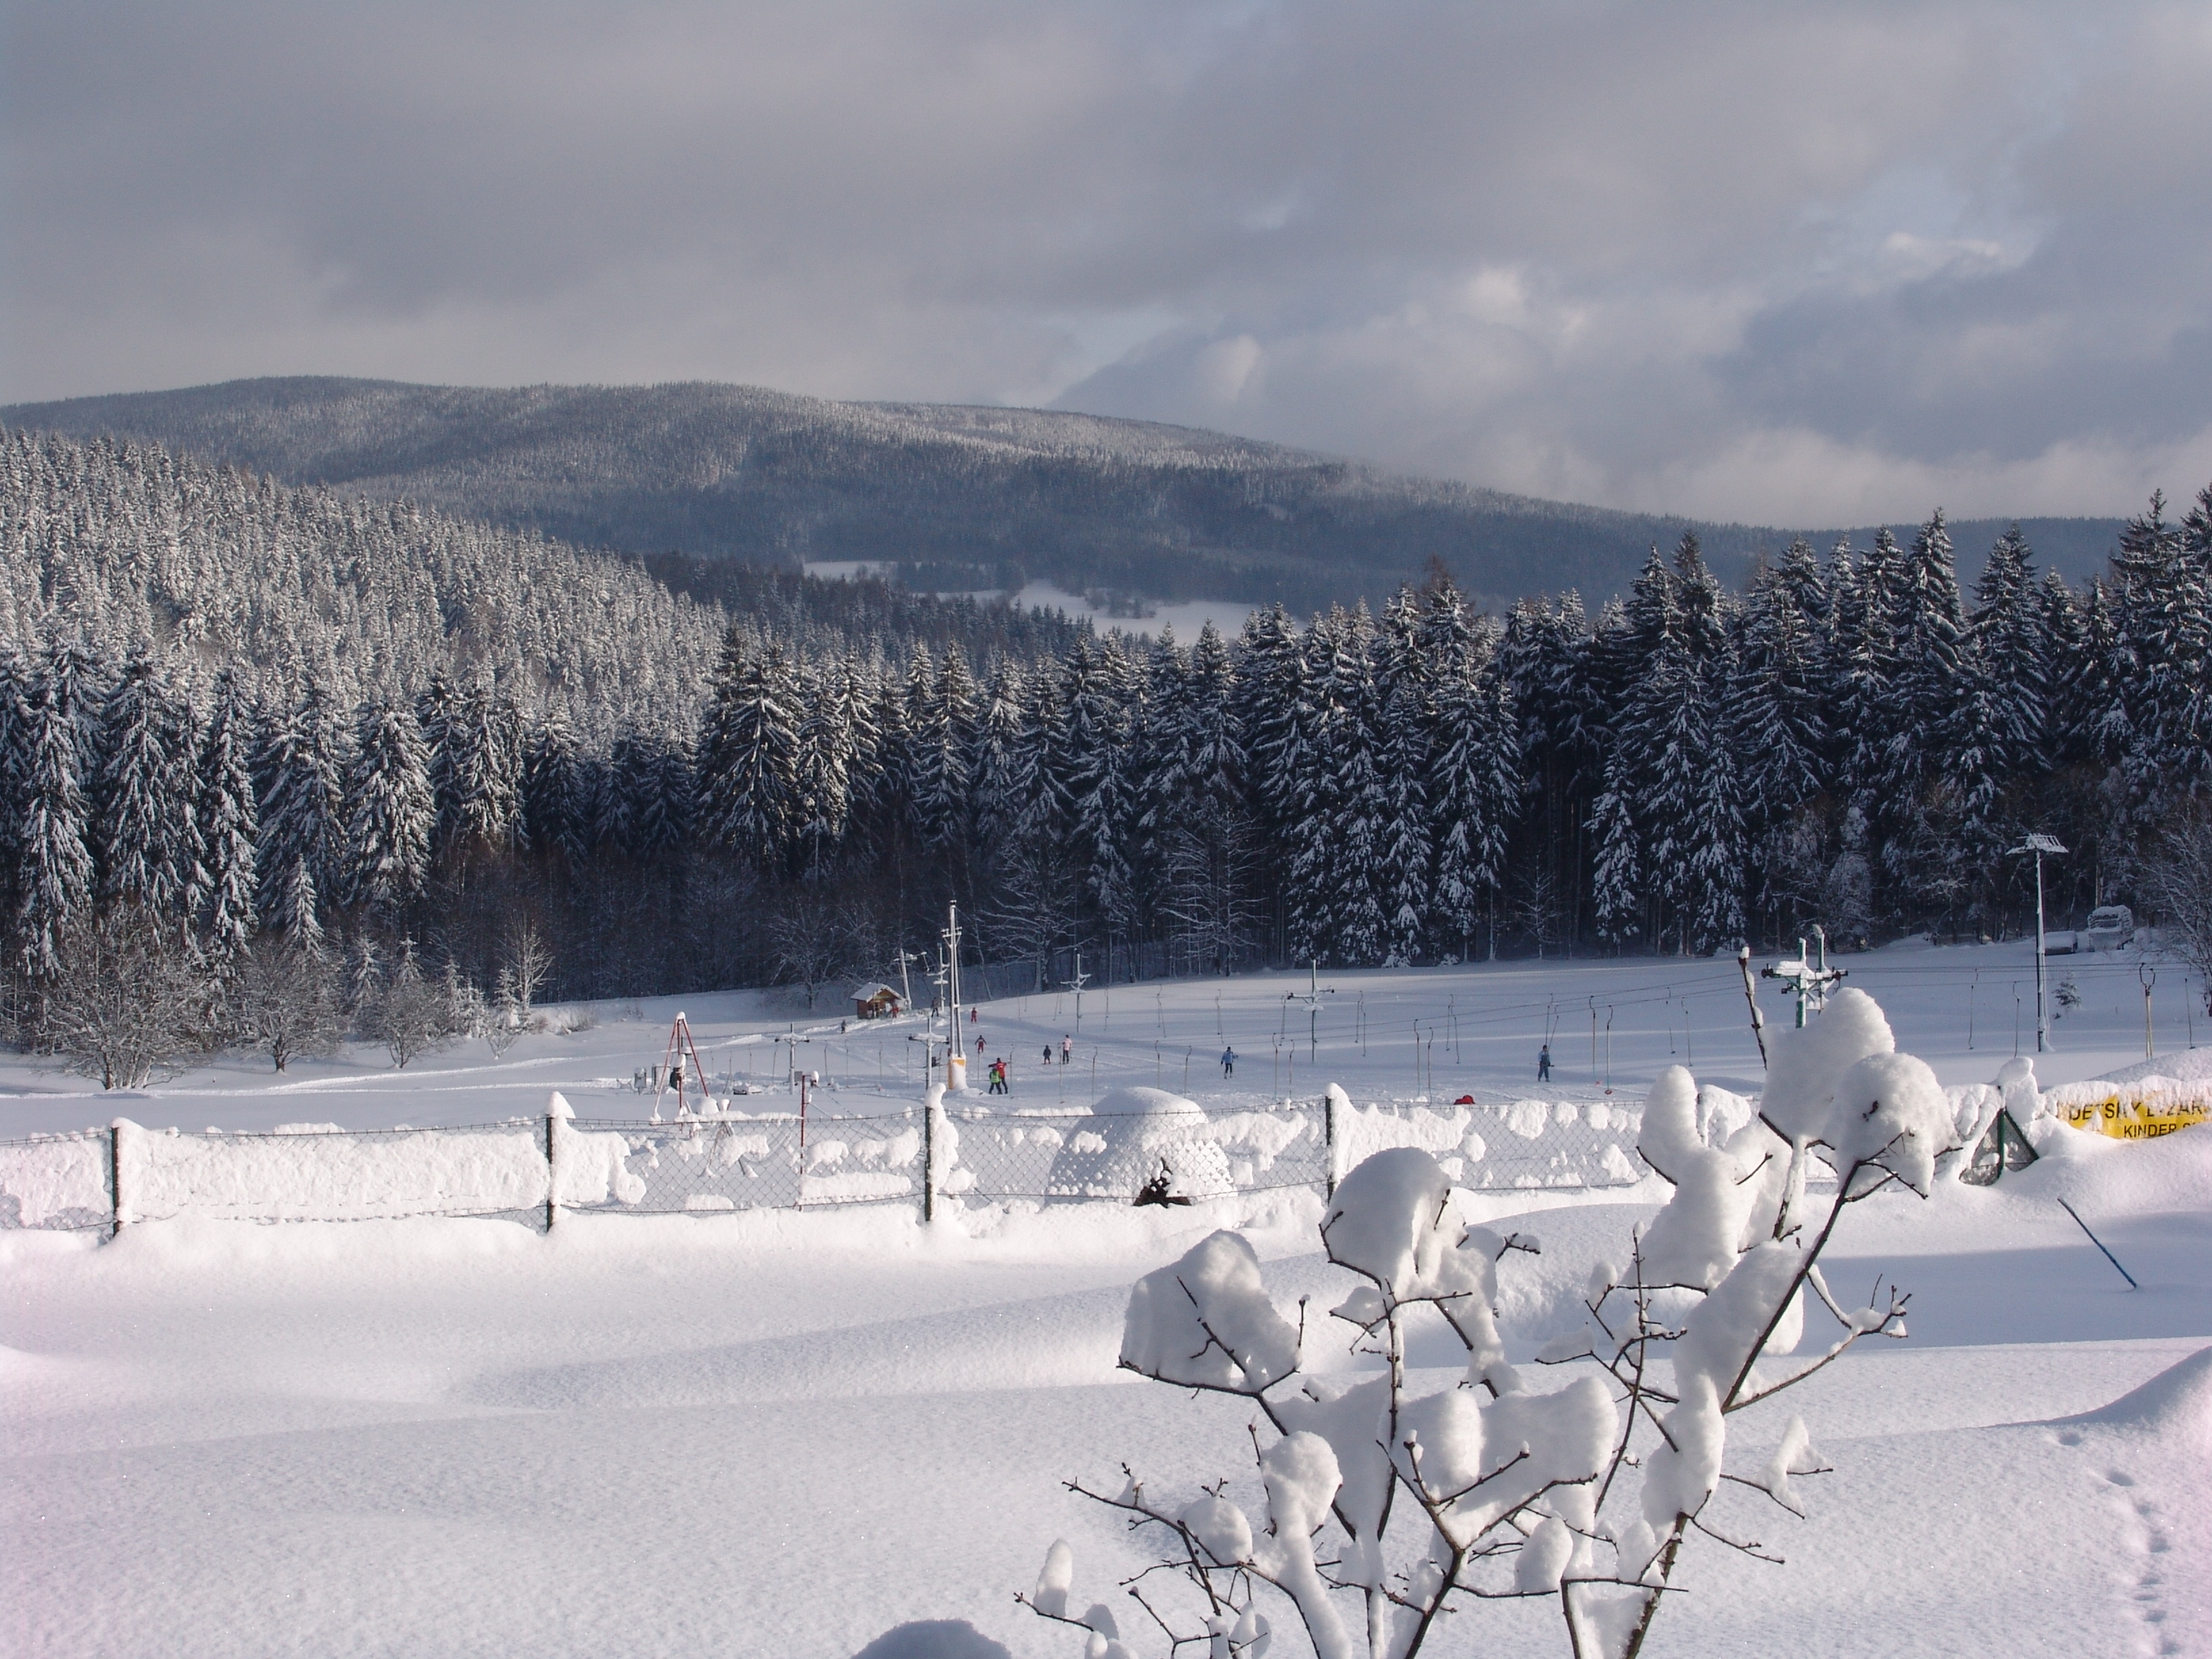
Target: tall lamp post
x,y
2039,845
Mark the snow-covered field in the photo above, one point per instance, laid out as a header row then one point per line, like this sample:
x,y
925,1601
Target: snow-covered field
x,y
770,1432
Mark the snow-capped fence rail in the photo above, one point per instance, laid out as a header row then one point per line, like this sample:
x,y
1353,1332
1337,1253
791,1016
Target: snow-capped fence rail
x,y
1134,1144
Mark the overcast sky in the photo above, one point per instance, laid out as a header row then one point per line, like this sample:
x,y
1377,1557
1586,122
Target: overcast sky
x,y
1792,264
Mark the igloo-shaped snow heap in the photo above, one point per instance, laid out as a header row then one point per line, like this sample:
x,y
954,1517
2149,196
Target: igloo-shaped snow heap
x,y
1132,1136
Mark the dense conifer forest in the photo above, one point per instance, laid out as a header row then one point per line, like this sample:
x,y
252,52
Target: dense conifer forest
x,y
369,734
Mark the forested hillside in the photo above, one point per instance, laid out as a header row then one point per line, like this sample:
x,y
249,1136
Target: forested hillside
x,y
439,733
960,498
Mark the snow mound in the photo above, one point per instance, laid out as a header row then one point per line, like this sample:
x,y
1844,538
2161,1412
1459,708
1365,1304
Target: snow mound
x,y
2191,1066
2177,1400
1146,1132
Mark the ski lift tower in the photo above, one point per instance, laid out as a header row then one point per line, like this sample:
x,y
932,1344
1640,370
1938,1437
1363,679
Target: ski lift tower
x,y
682,1052
1075,983
1808,982
1312,997
2038,846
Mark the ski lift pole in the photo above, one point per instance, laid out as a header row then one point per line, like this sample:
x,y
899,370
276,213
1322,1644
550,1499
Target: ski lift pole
x,y
2099,1243
1758,1019
2149,976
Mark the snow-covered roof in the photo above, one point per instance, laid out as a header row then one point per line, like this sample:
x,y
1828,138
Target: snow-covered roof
x,y
869,992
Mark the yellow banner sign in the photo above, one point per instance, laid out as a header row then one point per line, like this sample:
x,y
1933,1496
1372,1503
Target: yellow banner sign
x,y
2132,1117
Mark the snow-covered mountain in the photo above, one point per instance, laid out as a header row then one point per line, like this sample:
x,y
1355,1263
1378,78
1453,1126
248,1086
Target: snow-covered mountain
x,y
964,498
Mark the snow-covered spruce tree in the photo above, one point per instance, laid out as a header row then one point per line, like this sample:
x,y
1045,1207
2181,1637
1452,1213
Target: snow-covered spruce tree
x,y
2010,638
147,840
1032,908
941,730
2163,588
1385,1511
1918,796
391,811
748,755
1360,927
1195,825
1271,690
300,852
1404,873
1776,715
556,807
480,778
227,816
1558,668
1671,733
823,780
53,861
1476,779
1862,662
1618,891
1098,692
1003,766
15,769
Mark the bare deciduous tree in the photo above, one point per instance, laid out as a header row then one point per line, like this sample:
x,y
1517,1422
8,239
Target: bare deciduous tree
x,y
2179,882
130,1000
1386,1510
283,998
528,963
810,933
408,1014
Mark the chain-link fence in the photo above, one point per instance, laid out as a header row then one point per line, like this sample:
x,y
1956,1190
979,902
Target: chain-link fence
x,y
59,1182
1135,1146
1504,1144
774,1161
1176,1152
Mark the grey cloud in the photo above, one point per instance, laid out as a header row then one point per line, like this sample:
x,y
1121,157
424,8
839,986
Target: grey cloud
x,y
1609,251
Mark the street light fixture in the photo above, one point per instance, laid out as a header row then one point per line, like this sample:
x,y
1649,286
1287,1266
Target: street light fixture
x,y
2038,846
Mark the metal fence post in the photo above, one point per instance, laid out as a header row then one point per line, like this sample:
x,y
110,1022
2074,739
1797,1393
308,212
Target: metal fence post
x,y
1328,1142
115,1175
552,1169
930,1108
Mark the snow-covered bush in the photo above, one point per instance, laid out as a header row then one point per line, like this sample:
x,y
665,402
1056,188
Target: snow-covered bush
x,y
1382,1511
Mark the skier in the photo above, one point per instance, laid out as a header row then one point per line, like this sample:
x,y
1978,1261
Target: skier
x,y
979,1046
1048,1054
1229,1062
1066,1048
1544,1064
973,1012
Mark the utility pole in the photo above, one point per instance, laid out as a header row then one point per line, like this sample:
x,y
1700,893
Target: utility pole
x,y
2039,845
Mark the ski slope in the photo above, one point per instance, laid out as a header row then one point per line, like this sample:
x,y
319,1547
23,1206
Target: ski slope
x,y
1384,1034
788,1433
